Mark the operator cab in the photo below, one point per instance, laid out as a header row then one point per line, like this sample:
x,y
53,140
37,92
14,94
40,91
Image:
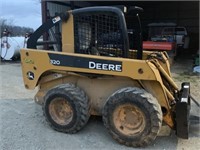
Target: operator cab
x,y
97,31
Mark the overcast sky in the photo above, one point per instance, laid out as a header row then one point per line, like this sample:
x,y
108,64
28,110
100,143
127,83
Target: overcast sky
x,y
25,13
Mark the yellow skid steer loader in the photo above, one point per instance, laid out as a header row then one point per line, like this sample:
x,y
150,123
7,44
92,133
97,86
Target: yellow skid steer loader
x,y
95,73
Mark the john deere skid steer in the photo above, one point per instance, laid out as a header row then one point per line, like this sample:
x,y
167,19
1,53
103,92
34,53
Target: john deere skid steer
x,y
95,73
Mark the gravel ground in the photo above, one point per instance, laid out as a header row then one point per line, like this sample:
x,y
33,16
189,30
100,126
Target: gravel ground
x,y
23,126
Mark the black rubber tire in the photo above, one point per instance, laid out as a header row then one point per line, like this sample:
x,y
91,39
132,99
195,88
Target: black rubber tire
x,y
78,101
149,107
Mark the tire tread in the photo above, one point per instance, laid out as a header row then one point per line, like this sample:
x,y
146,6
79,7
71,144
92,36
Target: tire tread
x,y
80,99
148,101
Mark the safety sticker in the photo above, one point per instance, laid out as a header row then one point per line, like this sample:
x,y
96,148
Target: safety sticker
x,y
56,19
184,100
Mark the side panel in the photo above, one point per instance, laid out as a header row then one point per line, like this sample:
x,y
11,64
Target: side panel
x,y
35,63
98,89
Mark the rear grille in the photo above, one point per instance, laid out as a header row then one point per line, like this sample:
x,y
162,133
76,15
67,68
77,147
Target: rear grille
x,y
98,32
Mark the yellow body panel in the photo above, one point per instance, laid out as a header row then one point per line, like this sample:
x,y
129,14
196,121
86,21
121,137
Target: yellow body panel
x,y
38,62
68,38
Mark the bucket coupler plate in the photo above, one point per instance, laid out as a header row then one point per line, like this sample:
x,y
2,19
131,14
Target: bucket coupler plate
x,y
183,112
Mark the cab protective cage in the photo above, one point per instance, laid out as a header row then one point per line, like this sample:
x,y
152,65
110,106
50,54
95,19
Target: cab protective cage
x,y
101,28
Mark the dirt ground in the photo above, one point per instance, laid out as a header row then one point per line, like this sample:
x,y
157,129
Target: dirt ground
x,y
23,126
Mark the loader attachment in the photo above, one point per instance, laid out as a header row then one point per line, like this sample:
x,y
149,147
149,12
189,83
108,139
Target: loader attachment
x,y
183,112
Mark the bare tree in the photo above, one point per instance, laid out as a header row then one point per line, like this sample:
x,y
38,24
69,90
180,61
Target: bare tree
x,y
6,24
2,24
14,30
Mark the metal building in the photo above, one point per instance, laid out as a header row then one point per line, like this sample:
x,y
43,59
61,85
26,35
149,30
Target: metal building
x,y
183,13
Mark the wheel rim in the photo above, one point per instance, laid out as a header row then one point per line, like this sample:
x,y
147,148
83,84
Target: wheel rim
x,y
61,111
129,119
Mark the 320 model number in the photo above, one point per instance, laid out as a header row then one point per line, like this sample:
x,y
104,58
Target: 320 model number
x,y
55,62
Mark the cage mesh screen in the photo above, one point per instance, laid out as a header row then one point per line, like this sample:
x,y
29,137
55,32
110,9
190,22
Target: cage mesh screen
x,y
98,33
